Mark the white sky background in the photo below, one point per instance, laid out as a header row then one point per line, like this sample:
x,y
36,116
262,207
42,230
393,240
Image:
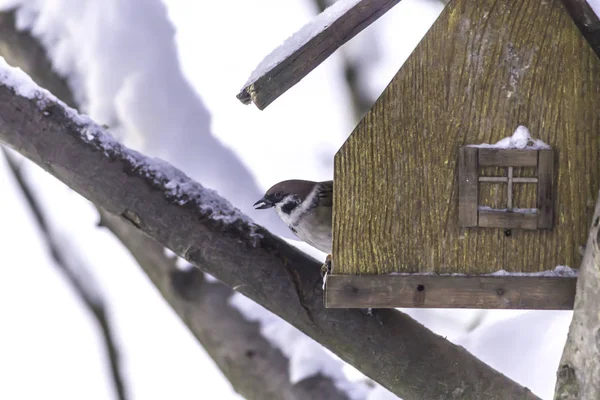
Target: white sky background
x,y
49,345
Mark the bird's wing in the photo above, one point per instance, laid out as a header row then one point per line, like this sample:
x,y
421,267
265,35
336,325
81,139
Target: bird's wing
x,y
325,194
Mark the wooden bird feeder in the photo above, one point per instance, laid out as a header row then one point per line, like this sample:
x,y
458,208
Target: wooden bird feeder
x,y
427,216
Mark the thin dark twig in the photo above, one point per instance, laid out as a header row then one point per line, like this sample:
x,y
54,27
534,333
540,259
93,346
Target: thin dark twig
x,y
91,300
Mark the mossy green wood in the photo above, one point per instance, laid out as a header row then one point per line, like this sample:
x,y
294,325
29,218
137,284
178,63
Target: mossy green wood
x,y
484,68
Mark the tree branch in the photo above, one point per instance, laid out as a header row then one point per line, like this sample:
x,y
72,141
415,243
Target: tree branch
x,y
255,368
198,225
24,51
579,372
92,300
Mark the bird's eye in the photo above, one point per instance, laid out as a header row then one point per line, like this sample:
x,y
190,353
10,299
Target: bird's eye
x,y
278,196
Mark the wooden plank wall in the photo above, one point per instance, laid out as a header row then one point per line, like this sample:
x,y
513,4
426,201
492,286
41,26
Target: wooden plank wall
x,y
483,69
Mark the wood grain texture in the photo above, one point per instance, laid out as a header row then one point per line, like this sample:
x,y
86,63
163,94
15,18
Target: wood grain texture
x,y
507,220
467,172
545,203
281,77
426,291
483,69
243,255
195,224
507,158
297,65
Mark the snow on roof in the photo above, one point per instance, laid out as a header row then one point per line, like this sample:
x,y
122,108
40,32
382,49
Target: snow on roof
x,y
559,271
301,37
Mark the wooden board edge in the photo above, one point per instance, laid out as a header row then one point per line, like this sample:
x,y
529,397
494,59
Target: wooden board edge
x,y
283,72
441,291
468,186
545,194
508,219
492,157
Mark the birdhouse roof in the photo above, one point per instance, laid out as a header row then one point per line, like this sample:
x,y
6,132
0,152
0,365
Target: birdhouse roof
x,y
306,49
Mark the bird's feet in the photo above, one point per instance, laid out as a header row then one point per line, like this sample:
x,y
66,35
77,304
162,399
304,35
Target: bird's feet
x,y
326,270
326,267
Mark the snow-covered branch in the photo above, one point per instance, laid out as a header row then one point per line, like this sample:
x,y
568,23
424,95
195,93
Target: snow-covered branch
x,y
579,372
255,368
203,228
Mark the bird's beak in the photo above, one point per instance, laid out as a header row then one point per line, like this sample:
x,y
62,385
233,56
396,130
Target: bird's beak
x,y
262,204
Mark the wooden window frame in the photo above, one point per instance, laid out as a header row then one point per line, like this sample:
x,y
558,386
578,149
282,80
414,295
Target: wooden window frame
x,y
470,214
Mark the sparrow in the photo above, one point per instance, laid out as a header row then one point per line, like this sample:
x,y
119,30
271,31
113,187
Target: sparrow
x,y
306,208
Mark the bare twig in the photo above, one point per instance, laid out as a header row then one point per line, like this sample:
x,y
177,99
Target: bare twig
x,y
74,273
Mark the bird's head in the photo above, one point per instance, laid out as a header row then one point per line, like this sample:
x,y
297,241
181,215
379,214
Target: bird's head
x,y
286,195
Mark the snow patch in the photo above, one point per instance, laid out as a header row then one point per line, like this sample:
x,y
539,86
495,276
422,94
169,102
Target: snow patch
x,y
211,279
169,253
415,273
24,86
18,80
180,263
559,271
300,38
180,189
521,139
183,265
306,357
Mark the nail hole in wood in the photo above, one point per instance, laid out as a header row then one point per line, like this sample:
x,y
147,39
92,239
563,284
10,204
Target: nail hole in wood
x,y
499,291
420,288
507,233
